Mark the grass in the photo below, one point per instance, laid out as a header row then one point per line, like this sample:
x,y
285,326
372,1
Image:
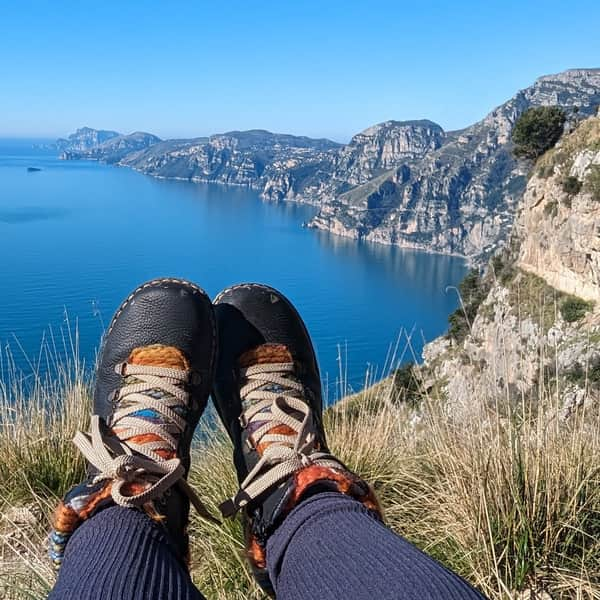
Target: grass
x,y
534,298
571,185
574,309
510,502
584,137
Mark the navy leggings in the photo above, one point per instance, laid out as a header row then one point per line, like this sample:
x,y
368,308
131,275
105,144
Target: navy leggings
x,y
329,547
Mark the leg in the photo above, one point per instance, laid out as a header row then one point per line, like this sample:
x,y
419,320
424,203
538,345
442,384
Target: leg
x,y
122,533
314,529
331,546
120,553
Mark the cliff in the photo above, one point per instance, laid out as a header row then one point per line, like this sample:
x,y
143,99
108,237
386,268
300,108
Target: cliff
x,y
560,215
368,154
461,197
538,325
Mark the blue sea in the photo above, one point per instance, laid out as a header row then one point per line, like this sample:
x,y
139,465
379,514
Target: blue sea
x,y
77,237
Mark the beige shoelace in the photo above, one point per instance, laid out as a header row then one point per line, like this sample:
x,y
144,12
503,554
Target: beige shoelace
x,y
126,461
285,454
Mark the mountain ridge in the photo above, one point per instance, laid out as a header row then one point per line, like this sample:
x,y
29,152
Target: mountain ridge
x,y
404,183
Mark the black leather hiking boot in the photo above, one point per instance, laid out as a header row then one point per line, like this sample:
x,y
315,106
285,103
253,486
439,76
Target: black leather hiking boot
x,y
154,376
268,394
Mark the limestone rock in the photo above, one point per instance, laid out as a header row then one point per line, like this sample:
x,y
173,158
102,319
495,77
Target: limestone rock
x,y
562,241
520,346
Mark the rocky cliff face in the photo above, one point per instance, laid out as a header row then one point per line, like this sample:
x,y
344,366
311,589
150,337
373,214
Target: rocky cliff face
x,y
460,197
534,330
369,154
560,215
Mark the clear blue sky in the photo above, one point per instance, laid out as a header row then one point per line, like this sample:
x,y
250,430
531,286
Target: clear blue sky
x,y
320,68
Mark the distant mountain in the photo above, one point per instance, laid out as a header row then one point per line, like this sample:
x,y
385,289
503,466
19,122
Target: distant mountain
x,y
85,139
251,158
405,183
369,153
112,149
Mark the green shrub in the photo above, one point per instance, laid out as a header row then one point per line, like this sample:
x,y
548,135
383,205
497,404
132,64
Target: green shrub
x,y
573,309
580,375
473,291
407,384
537,130
571,185
594,372
503,266
592,182
546,171
551,209
575,374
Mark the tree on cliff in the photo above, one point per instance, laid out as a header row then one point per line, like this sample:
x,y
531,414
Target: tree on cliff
x,y
537,130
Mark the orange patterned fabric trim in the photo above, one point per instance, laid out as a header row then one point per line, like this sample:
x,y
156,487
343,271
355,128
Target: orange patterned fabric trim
x,y
101,495
278,430
345,482
65,519
265,354
257,554
157,355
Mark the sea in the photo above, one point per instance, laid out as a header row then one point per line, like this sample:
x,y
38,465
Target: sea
x,y
77,236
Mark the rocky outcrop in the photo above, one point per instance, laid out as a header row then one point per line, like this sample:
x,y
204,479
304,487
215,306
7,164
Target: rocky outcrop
x,y
515,352
534,332
560,216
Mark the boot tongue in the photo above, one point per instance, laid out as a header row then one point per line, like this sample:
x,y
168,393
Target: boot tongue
x,y
265,354
155,355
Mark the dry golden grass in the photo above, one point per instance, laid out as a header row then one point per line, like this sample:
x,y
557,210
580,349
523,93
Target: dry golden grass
x,y
510,502
586,136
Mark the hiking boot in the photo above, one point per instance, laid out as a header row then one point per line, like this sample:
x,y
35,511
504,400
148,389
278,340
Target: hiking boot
x,y
153,379
267,392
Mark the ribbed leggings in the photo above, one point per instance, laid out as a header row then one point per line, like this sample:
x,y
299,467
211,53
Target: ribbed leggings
x,y
329,547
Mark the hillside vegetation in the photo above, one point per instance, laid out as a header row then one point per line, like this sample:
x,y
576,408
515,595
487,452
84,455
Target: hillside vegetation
x,y
508,497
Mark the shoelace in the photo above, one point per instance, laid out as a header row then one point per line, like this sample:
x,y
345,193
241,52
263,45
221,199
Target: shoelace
x,y
285,454
126,461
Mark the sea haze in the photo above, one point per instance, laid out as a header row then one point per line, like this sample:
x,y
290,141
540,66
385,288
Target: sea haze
x,y
77,237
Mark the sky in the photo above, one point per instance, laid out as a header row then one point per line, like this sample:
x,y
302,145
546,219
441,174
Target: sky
x,y
324,68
